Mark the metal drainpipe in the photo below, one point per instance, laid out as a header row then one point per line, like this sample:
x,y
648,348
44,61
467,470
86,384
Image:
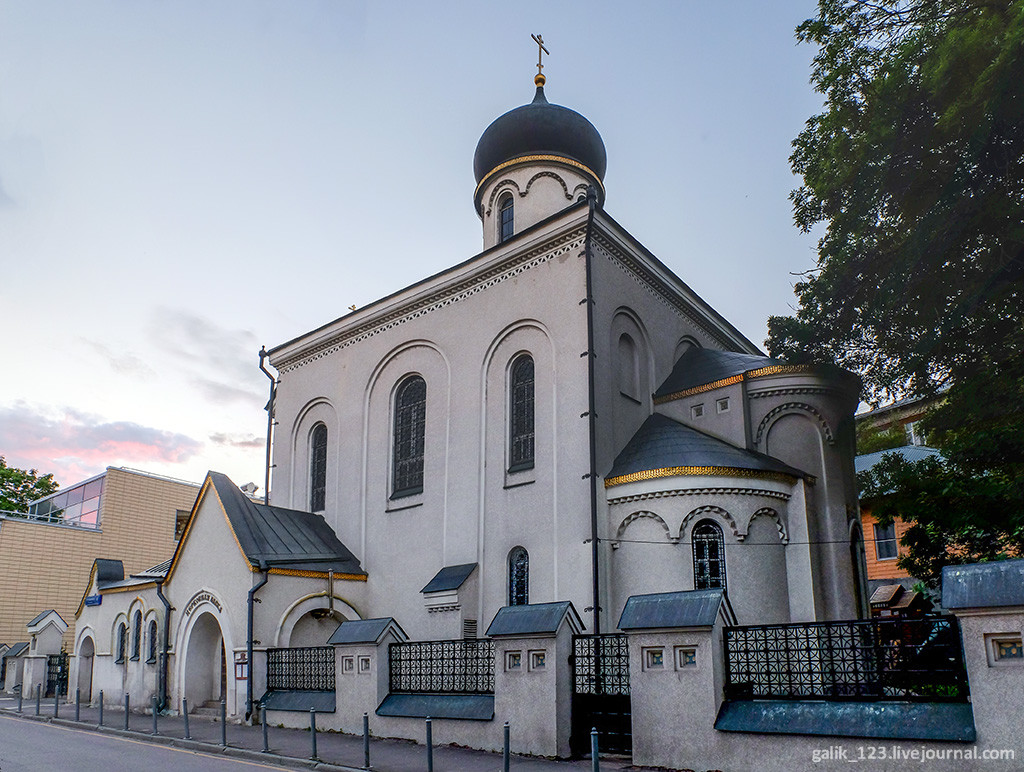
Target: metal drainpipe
x,y
270,420
248,638
592,413
166,644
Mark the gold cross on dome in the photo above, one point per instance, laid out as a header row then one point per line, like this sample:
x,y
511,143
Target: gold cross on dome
x,y
539,40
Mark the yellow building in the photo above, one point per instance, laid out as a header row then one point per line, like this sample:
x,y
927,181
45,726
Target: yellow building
x,y
46,554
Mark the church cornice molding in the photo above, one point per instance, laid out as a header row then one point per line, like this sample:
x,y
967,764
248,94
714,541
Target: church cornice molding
x,y
658,288
439,297
716,491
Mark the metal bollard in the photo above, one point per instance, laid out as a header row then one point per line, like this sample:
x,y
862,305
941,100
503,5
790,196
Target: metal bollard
x,y
100,722
595,762
223,724
184,712
127,709
505,759
78,704
155,712
430,746
312,732
56,702
39,692
263,719
366,741
19,700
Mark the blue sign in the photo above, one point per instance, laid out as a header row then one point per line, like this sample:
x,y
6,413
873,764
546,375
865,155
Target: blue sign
x,y
93,600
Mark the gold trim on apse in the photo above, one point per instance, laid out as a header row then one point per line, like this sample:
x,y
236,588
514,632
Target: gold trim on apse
x,y
312,574
760,372
531,159
679,471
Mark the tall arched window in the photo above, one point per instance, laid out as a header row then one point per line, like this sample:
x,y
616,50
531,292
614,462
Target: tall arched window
x,y
708,556
122,642
318,469
136,635
506,219
629,367
410,426
520,419
518,577
152,642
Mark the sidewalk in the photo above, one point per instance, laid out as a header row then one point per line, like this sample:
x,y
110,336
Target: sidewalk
x,y
292,748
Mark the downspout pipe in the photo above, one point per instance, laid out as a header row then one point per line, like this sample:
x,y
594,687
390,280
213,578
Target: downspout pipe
x,y
252,599
270,420
592,412
166,645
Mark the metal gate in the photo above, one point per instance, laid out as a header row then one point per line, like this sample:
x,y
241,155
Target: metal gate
x,y
57,674
600,694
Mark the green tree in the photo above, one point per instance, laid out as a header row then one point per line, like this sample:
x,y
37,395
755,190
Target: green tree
x,y
18,487
915,168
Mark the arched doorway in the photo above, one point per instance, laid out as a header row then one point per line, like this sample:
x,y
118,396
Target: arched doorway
x,y
86,652
205,665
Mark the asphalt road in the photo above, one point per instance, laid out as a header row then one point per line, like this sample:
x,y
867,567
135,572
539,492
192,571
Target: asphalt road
x,y
33,746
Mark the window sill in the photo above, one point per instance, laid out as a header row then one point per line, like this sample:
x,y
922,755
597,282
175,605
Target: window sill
x,y
404,501
515,478
151,661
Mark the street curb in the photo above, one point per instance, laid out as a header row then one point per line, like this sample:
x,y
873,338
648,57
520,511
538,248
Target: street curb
x,y
212,749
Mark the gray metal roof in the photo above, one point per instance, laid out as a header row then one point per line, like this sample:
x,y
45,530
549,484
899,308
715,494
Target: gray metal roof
x,y
303,701
471,707
687,608
449,578
108,571
366,630
984,585
39,617
909,452
283,538
16,650
662,443
533,619
700,366
156,572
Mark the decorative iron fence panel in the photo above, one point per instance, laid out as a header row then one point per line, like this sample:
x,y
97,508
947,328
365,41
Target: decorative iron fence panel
x,y
303,669
873,659
442,667
57,674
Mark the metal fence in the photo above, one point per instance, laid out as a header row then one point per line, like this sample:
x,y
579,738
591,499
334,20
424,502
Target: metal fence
x,y
304,669
876,659
442,667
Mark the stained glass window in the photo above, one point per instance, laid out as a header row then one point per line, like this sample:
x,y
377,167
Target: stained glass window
x,y
410,426
708,556
521,438
318,469
518,577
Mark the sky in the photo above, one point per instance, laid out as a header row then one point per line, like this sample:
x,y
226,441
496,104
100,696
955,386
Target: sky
x,y
182,183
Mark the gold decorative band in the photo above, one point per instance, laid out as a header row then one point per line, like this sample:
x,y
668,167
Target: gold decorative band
x,y
682,471
760,372
534,159
311,574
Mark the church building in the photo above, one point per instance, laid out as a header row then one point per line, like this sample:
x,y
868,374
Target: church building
x,y
557,418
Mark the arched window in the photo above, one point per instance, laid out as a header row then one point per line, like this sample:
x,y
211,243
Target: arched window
x,y
518,577
708,556
318,468
506,220
520,417
136,635
629,369
410,426
152,642
122,642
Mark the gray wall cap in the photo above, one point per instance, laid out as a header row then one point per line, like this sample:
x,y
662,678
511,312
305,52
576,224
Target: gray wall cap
x,y
450,578
367,631
534,619
687,608
984,585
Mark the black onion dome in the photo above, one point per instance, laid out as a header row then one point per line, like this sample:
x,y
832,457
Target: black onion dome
x,y
540,128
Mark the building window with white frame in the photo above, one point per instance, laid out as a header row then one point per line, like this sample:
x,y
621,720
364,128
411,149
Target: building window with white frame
x,y
318,469
518,577
410,428
886,547
521,414
708,556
